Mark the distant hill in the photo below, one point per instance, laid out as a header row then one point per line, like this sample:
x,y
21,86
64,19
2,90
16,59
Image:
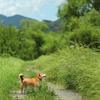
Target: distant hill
x,y
54,26
13,20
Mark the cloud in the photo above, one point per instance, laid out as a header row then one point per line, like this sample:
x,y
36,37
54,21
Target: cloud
x,y
25,7
58,2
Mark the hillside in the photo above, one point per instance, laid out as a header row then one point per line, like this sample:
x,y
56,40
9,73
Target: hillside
x,y
14,20
54,26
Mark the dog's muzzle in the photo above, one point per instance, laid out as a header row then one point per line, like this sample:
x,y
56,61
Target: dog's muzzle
x,y
44,75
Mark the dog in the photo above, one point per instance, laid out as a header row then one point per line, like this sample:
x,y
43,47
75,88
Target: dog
x,y
32,82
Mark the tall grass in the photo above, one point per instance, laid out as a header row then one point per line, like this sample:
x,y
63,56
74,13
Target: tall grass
x,y
9,81
9,70
43,93
77,69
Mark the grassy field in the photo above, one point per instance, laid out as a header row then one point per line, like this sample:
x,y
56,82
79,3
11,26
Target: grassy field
x,y
77,69
10,68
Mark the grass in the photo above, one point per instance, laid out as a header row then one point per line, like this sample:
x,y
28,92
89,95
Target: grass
x,y
10,68
77,69
42,94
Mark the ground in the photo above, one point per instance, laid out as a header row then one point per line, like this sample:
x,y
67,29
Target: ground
x,y
62,94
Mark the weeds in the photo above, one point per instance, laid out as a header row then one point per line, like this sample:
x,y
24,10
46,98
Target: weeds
x,y
43,93
77,69
9,70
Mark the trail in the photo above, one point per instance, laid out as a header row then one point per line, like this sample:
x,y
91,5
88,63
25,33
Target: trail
x,y
61,93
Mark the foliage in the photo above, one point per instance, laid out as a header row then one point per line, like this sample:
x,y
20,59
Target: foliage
x,y
54,26
75,69
34,25
75,8
42,94
29,42
86,36
85,30
23,43
7,40
9,71
81,22
52,42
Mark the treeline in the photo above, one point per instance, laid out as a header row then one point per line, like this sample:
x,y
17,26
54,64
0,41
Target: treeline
x,y
29,42
80,26
81,22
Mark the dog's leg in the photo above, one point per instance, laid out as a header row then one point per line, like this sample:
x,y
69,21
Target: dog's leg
x,y
25,86
36,87
21,86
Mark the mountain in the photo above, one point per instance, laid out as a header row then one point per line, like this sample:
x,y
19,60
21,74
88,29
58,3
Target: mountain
x,y
13,20
54,26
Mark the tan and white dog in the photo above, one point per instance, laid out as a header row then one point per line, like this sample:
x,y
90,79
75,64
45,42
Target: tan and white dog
x,y
33,82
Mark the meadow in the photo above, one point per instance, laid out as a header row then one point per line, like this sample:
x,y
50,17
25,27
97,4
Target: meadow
x,y
74,68
10,68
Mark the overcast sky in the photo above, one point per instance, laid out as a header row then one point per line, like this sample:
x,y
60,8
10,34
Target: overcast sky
x,y
36,9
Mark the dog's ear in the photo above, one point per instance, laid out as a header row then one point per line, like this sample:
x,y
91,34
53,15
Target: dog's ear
x,y
39,74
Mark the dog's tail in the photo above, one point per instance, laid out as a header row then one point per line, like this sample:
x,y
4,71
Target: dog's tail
x,y
21,77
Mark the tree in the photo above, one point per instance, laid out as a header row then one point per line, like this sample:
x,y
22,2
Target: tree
x,y
8,40
86,29
95,4
34,25
32,34
75,8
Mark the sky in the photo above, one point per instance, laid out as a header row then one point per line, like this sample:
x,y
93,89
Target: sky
x,y
36,9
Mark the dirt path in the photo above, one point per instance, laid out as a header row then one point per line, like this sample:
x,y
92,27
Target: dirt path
x,y
62,94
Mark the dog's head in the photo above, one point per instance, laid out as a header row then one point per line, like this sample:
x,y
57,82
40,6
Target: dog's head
x,y
43,75
40,76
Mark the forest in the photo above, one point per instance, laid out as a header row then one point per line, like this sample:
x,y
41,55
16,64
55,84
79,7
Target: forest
x,y
80,22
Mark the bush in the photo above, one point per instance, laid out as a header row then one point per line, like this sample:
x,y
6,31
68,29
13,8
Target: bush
x,y
52,42
86,35
86,29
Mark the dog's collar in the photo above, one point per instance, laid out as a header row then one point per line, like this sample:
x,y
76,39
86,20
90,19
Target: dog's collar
x,y
39,79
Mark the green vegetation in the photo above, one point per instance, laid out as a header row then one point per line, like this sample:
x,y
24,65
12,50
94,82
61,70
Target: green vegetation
x,y
42,94
23,43
80,24
27,43
9,71
69,58
10,68
54,26
80,21
77,69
